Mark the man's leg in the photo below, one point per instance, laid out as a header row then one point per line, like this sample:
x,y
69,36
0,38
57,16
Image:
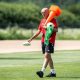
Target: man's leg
x,y
47,60
53,73
45,63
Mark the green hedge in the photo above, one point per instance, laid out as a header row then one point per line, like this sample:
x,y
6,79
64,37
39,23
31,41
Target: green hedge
x,y
28,15
75,9
23,14
70,16
69,19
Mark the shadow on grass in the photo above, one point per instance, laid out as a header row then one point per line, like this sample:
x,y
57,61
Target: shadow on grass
x,y
69,77
18,58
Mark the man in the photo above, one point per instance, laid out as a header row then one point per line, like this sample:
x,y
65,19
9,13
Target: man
x,y
46,49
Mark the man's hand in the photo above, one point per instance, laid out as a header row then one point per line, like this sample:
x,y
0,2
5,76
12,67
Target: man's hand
x,y
34,36
44,26
29,40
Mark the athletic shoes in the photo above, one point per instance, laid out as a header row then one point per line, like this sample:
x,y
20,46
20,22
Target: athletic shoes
x,y
51,75
40,74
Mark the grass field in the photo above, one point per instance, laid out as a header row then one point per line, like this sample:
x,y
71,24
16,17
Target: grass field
x,y
23,66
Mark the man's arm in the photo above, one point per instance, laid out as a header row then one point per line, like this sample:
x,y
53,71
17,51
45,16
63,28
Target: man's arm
x,y
34,36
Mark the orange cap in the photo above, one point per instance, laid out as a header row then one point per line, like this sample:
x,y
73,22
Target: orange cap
x,y
55,9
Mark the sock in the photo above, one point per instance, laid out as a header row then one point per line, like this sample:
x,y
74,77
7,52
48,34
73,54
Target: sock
x,y
43,69
53,71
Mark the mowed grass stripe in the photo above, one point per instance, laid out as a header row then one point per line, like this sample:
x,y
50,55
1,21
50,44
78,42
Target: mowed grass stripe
x,y
23,66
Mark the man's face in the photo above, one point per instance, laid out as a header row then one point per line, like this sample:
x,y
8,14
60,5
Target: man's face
x,y
45,13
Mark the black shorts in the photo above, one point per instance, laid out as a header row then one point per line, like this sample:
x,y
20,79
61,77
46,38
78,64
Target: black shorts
x,y
49,48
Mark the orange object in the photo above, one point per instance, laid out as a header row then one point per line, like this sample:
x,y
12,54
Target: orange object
x,y
55,11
